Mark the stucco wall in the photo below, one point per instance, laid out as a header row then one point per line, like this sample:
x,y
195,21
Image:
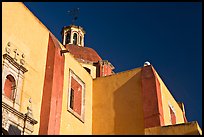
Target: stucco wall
x,y
69,123
117,104
168,100
30,36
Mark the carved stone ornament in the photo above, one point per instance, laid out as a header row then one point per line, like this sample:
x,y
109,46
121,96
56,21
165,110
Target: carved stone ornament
x,y
5,118
15,53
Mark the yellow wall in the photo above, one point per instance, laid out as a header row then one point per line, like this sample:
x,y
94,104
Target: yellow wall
x,y
117,104
69,123
26,33
29,35
167,99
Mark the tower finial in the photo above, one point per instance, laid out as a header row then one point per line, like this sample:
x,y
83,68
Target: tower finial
x,y
74,13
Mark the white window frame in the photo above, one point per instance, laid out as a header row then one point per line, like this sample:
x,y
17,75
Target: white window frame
x,y
172,107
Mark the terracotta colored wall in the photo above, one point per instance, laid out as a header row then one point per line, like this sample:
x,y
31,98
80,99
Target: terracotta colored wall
x,y
107,70
104,70
69,123
52,91
151,96
173,116
30,36
117,104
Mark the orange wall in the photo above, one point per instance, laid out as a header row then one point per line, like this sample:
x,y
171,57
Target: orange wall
x,y
117,104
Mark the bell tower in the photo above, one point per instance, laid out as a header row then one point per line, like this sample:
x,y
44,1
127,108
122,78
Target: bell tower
x,y
73,34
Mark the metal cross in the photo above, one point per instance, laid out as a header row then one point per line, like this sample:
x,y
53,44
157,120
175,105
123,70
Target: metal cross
x,y
74,13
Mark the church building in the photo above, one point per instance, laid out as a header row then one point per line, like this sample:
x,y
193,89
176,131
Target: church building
x,y
63,87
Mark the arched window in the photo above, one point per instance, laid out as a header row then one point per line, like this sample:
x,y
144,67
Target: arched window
x,y
75,39
9,87
67,38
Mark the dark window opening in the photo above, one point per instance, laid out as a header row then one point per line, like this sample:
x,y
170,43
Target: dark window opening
x,y
72,99
88,70
75,39
13,130
67,38
80,39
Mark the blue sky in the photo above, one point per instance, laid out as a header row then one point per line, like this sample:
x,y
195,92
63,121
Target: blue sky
x,y
168,35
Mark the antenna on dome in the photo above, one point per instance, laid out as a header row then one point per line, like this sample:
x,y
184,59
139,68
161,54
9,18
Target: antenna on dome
x,y
74,13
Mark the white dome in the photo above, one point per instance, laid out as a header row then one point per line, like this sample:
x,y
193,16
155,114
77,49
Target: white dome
x,y
146,63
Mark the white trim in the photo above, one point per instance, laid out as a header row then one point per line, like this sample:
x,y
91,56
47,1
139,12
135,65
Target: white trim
x,y
18,75
174,111
171,106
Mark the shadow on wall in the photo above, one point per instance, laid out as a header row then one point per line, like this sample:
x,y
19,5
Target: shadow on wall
x,y
13,130
4,132
128,107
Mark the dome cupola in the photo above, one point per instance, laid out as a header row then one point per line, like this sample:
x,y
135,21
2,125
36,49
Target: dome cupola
x,y
73,35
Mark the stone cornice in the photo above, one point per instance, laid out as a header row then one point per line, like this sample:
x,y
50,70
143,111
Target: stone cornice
x,y
19,114
102,62
73,26
14,63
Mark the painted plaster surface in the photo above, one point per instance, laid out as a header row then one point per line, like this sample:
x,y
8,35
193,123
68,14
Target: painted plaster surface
x,y
117,104
69,123
113,104
169,100
19,28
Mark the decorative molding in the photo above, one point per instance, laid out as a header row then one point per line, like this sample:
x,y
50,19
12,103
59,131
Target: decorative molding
x,y
5,117
106,62
20,115
15,53
13,118
65,28
14,63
